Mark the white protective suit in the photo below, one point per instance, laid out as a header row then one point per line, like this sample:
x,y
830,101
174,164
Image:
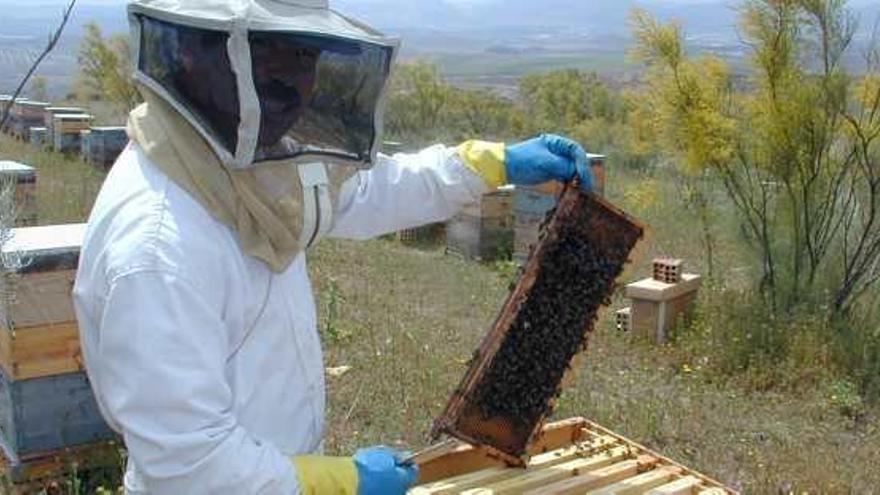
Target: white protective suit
x,y
208,363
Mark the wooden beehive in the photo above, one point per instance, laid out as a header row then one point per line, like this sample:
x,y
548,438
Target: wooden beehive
x,y
657,305
25,114
575,456
105,145
49,119
30,110
530,208
517,372
38,136
25,179
66,131
483,230
531,204
45,399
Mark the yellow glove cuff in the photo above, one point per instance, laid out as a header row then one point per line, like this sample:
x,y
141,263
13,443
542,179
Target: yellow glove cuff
x,y
486,159
322,475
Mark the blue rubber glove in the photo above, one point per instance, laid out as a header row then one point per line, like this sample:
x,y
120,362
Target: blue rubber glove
x,y
380,472
545,158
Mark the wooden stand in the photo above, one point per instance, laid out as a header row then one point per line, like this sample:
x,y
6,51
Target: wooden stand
x,y
574,456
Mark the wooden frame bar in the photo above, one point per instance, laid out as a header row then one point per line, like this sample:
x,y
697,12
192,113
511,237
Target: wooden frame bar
x,y
509,437
577,457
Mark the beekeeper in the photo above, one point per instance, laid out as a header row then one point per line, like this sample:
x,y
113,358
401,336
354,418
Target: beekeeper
x,y
258,136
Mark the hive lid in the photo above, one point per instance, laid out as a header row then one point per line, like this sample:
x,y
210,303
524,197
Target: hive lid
x,y
651,289
48,247
109,128
72,116
21,172
65,109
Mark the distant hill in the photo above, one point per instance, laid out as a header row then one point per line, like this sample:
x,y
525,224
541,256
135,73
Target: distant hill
x,y
603,16
466,37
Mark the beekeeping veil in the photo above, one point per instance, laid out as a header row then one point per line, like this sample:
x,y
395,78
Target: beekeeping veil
x,y
266,79
270,87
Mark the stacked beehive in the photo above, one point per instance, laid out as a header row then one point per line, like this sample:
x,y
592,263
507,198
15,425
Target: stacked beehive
x,y
49,120
46,403
104,145
25,179
483,230
531,205
575,456
66,131
26,114
659,301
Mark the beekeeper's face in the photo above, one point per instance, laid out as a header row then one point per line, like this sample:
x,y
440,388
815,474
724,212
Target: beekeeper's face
x,y
284,77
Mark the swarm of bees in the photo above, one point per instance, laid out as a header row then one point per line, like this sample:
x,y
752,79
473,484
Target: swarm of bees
x,y
581,260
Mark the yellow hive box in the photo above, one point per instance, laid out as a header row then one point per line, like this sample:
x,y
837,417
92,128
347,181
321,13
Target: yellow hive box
x,y
574,456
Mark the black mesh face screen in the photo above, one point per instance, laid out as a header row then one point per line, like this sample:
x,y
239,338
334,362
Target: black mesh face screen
x,y
193,66
318,94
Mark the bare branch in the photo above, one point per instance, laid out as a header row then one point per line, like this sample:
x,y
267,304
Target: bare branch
x,y
53,40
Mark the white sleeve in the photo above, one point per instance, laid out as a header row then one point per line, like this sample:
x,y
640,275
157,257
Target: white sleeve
x,y
404,191
159,372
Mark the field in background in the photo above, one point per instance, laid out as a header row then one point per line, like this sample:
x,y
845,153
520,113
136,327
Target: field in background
x,y
66,186
407,320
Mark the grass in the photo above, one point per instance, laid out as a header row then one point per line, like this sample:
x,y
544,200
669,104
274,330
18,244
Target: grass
x,y
66,186
407,320
411,320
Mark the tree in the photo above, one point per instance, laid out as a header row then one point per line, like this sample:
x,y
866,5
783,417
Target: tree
x,y
564,99
39,89
105,69
417,99
795,146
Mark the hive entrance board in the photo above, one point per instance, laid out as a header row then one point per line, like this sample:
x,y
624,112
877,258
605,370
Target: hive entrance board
x,y
517,372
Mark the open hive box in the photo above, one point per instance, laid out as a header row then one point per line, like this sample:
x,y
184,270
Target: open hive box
x,y
574,456
517,372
